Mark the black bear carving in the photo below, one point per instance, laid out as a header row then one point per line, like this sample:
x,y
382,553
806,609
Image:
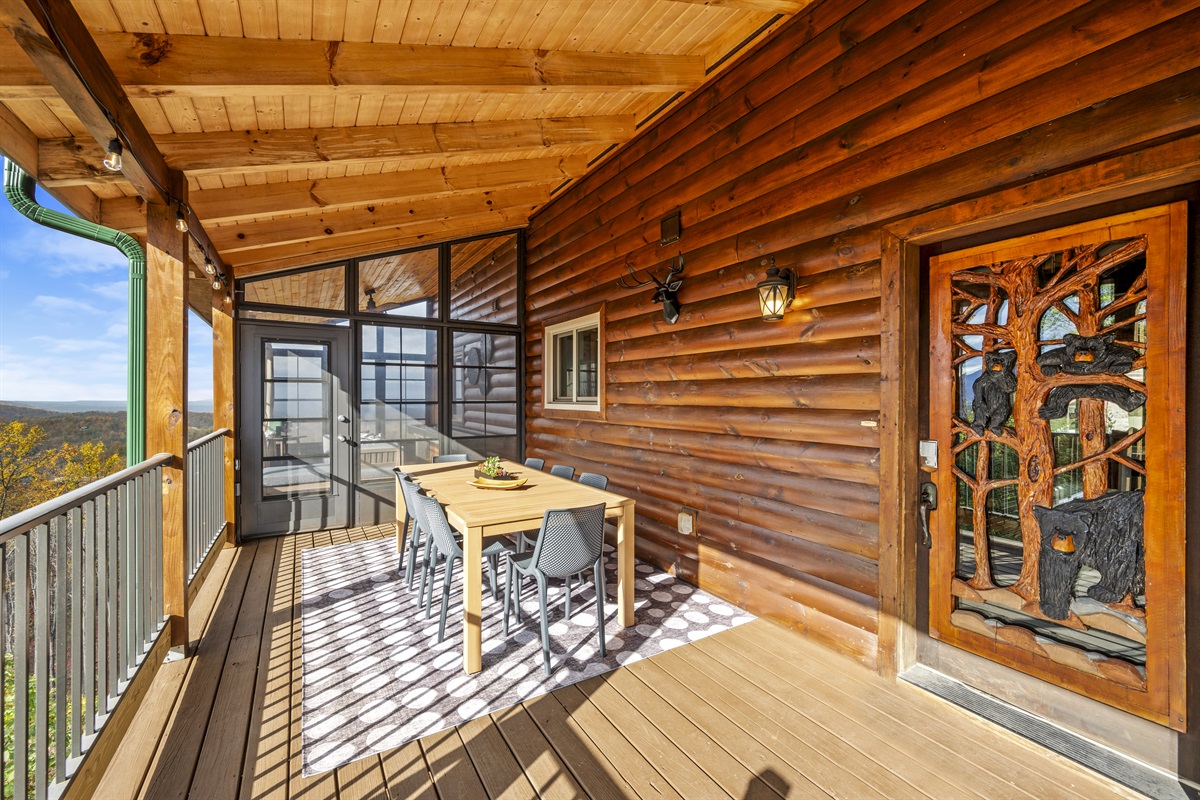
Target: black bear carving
x,y
1060,398
1104,534
1088,355
993,392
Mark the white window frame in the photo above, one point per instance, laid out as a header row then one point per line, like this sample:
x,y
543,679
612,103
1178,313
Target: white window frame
x,y
550,368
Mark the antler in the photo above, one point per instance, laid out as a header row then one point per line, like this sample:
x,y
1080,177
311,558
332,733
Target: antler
x,y
624,283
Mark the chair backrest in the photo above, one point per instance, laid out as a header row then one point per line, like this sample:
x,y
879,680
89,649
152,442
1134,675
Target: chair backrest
x,y
570,540
563,471
594,480
535,463
409,489
432,520
448,457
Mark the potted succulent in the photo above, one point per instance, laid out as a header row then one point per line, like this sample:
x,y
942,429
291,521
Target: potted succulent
x,y
493,471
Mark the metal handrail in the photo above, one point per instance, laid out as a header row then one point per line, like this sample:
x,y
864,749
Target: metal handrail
x,y
208,437
39,514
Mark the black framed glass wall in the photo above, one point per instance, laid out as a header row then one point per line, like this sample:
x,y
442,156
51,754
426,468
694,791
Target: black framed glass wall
x,y
436,363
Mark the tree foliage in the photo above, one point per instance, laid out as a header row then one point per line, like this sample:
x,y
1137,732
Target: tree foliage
x,y
31,473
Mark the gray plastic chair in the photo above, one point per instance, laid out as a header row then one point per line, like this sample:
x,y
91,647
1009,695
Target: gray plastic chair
x,y
570,541
563,471
449,457
535,463
594,480
408,490
432,519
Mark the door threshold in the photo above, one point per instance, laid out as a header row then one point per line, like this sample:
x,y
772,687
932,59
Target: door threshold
x,y
1111,763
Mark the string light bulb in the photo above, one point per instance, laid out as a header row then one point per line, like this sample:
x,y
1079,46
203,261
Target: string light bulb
x,y
217,283
209,267
112,159
181,220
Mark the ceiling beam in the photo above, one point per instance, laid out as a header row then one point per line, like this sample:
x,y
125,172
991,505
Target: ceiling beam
x,y
178,65
66,161
334,224
61,47
291,197
301,254
765,6
19,144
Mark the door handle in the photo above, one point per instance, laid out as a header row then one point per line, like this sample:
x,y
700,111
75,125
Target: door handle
x,y
344,438
927,501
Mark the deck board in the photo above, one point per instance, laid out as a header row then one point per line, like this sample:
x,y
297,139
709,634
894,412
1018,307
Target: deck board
x,y
755,712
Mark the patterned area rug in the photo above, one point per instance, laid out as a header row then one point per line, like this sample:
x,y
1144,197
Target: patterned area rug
x,y
374,676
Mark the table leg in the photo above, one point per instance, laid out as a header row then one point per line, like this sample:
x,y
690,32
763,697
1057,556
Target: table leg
x,y
625,571
472,600
399,519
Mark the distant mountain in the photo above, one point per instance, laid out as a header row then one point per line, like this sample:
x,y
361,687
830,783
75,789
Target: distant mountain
x,y
80,427
76,406
70,407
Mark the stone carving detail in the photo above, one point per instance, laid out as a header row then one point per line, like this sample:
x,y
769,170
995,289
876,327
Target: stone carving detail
x,y
993,392
1088,355
1060,398
1104,534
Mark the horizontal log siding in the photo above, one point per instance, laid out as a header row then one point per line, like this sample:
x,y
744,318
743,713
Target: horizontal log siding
x,y
852,115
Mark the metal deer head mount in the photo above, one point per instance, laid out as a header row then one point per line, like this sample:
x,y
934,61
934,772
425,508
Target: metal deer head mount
x,y
665,293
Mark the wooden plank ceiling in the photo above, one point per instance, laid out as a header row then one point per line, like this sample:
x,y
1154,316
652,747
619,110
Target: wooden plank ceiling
x,y
325,128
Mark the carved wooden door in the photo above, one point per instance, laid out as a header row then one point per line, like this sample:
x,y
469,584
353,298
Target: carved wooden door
x,y
1057,400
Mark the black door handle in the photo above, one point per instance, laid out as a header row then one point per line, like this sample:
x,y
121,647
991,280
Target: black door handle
x,y
927,501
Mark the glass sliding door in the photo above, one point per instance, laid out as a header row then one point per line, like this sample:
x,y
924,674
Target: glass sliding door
x,y
398,411
485,392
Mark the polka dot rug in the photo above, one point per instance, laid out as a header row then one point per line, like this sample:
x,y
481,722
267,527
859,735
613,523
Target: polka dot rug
x,y
375,677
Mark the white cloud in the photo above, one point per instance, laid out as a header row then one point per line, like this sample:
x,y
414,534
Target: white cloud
x,y
63,305
43,372
118,330
113,290
58,254
49,344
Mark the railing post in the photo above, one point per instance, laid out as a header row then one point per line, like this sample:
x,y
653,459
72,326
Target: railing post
x,y
224,356
166,398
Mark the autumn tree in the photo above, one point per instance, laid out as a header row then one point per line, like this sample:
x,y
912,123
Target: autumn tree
x,y
23,467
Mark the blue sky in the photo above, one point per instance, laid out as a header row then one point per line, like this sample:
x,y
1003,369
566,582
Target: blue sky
x,y
63,317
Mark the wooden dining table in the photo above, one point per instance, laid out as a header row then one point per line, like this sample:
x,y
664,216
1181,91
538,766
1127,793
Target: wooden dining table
x,y
477,513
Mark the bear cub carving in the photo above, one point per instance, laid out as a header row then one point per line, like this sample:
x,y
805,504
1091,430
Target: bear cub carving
x,y
1088,355
993,392
1104,534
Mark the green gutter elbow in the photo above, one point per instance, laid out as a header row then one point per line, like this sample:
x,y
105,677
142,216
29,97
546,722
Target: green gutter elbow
x,y
19,188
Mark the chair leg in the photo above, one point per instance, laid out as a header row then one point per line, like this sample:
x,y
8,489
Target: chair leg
x,y
431,572
403,544
545,623
567,597
413,544
424,576
450,561
508,592
598,577
493,569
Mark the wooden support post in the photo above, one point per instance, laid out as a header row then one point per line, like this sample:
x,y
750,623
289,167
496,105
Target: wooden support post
x,y
898,473
166,398
224,354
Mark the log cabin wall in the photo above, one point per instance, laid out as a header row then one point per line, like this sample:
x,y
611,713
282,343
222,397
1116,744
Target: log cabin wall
x,y
853,115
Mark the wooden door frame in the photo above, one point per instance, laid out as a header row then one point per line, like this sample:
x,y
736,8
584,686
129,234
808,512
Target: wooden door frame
x,y
1155,169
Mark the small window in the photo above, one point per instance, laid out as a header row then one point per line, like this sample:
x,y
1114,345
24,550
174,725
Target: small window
x,y
573,364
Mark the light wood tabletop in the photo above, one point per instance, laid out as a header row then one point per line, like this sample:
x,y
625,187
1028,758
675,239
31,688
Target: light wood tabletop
x,y
477,513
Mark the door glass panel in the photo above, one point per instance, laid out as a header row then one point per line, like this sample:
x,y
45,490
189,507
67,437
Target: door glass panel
x,y
483,280
320,288
485,393
398,411
296,420
404,284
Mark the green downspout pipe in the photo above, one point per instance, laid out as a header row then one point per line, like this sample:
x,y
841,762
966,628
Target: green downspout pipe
x,y
19,189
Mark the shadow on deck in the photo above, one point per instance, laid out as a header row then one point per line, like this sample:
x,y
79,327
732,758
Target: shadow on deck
x,y
754,713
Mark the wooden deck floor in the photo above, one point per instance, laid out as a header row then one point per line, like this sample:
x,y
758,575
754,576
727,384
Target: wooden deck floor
x,y
755,712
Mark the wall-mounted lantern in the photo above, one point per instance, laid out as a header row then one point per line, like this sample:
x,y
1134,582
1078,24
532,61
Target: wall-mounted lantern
x,y
775,294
